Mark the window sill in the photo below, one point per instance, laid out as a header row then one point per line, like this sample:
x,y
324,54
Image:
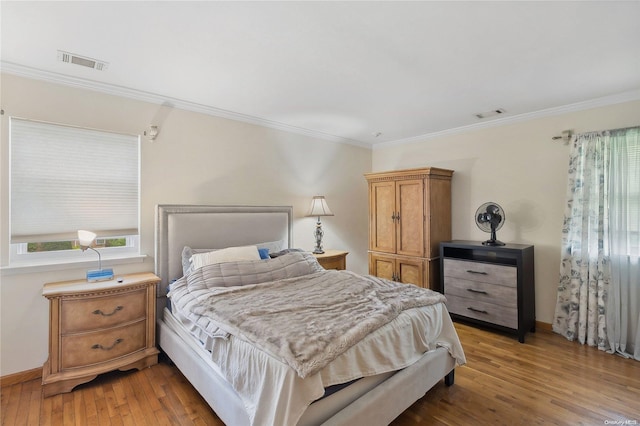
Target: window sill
x,y
69,264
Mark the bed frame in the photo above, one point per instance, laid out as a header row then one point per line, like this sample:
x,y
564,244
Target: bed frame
x,y
225,226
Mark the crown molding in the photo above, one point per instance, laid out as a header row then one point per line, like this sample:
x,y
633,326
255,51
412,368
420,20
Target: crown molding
x,y
110,89
125,92
619,98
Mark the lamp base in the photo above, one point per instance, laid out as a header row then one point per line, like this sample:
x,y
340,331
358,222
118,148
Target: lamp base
x,y
99,275
318,251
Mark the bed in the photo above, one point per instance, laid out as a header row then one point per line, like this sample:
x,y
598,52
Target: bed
x,y
374,400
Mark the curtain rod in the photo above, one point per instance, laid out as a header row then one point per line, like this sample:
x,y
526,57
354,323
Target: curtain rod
x,y
567,134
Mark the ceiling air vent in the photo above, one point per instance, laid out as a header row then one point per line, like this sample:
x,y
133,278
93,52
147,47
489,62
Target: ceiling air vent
x,y
490,113
72,58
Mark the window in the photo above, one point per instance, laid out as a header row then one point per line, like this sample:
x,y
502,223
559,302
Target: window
x,y
67,178
624,197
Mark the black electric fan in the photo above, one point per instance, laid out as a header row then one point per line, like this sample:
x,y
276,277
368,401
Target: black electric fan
x,y
489,218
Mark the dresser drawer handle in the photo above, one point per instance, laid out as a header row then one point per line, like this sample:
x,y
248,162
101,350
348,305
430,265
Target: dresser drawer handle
x,y
477,291
476,272
99,312
99,346
478,311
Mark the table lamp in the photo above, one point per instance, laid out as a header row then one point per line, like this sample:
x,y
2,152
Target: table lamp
x,y
319,208
86,240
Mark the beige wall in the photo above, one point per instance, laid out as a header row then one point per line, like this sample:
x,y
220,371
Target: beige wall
x,y
202,159
522,169
197,159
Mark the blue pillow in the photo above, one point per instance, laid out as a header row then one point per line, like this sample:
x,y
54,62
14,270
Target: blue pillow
x,y
264,253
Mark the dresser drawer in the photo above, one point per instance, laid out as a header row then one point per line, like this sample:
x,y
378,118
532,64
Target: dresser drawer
x,y
81,350
484,292
483,272
88,314
489,312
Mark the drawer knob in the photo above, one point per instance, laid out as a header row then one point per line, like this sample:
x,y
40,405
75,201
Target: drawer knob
x,y
476,272
472,290
99,312
99,346
478,311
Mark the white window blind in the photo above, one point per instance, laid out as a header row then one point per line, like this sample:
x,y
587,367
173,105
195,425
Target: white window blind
x,y
67,178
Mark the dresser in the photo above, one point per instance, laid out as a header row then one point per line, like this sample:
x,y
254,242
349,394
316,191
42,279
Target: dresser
x,y
409,215
492,286
98,327
332,259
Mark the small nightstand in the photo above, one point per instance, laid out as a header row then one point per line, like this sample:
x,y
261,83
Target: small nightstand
x,y
333,259
98,327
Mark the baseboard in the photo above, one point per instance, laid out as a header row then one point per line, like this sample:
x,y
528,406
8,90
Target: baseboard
x,y
23,376
543,326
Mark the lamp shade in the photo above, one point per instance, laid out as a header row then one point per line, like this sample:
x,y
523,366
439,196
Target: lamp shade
x,y
319,207
86,238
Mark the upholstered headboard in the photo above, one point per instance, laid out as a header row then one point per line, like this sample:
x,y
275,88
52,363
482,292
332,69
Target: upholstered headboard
x,y
214,227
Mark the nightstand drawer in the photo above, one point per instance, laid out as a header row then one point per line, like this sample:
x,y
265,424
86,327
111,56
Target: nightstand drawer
x,y
479,271
81,350
484,292
488,312
88,314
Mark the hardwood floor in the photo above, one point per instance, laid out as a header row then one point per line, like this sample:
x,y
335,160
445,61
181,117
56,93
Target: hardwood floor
x,y
547,380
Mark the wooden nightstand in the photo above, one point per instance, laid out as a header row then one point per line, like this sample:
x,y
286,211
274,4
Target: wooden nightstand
x,y
333,259
98,327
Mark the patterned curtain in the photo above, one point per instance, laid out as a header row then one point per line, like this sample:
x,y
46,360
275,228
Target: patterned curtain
x,y
599,289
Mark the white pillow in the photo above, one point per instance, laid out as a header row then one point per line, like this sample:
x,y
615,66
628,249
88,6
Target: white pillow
x,y
229,254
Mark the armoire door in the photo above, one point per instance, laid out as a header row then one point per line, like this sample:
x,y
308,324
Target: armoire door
x,y
397,268
382,266
410,217
410,271
382,210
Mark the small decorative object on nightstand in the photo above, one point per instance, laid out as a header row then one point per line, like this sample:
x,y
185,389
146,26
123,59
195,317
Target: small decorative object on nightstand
x,y
98,327
332,259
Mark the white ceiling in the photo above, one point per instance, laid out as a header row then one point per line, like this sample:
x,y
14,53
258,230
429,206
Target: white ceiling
x,y
338,70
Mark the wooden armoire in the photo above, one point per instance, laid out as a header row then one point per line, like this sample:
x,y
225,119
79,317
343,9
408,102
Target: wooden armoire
x,y
409,215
